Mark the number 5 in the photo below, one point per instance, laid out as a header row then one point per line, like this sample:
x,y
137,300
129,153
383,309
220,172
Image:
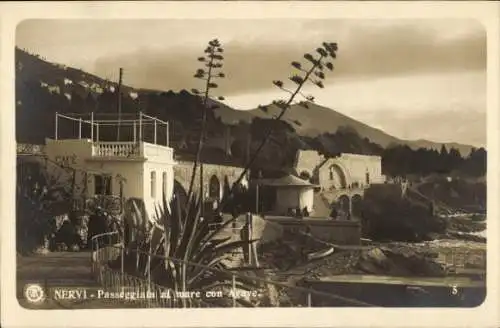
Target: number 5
x,y
454,290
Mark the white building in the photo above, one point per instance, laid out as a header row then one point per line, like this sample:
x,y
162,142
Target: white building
x,y
291,193
128,168
344,171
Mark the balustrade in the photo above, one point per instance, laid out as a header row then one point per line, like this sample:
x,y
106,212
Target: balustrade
x,y
116,149
130,149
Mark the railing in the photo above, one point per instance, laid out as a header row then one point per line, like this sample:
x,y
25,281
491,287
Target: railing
x,y
131,149
106,248
457,259
116,149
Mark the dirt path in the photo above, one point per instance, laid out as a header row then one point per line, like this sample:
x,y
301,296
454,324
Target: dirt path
x,y
73,266
59,269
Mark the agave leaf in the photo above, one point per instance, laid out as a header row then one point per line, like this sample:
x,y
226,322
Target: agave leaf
x,y
221,250
192,233
172,269
188,230
199,271
201,234
157,238
217,231
216,242
179,212
174,221
170,237
244,302
186,212
226,283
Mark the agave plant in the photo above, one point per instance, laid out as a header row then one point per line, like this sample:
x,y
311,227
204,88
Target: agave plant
x,y
181,252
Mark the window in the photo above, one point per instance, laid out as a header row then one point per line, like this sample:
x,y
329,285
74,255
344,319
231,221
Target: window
x,y
331,173
164,183
153,184
121,188
102,184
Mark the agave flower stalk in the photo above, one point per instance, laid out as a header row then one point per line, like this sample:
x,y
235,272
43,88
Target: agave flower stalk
x,y
315,75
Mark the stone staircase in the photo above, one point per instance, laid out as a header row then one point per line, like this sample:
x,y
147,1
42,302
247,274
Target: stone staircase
x,y
321,206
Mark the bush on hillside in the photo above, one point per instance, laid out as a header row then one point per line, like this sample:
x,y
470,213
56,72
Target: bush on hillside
x,y
457,193
400,220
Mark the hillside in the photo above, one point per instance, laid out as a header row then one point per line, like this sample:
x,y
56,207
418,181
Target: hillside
x,y
316,120
43,88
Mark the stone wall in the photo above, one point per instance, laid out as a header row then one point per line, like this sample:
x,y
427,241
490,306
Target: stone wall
x,y
333,231
342,171
353,169
183,171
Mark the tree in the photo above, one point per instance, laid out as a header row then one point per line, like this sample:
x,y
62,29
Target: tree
x,y
305,175
443,160
455,159
42,194
475,163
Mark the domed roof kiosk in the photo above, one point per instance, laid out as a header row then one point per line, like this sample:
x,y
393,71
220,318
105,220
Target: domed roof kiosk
x,y
291,192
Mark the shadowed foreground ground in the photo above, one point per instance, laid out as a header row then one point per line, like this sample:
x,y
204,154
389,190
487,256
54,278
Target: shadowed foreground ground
x,y
59,269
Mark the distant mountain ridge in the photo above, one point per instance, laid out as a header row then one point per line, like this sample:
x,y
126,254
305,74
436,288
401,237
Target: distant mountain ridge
x,y
317,119
43,88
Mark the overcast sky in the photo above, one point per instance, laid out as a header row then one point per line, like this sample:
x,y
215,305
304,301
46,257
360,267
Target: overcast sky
x,y
415,79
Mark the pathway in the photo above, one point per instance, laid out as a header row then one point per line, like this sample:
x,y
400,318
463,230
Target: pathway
x,y
68,269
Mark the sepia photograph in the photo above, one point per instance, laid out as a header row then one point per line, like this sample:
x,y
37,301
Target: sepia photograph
x,y
250,163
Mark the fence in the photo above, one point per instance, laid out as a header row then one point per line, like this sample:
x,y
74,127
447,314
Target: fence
x,y
458,259
107,248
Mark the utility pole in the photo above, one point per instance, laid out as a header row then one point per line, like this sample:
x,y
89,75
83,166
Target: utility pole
x,y
119,91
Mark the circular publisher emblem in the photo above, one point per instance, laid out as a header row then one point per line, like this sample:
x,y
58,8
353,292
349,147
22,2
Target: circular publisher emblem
x,y
34,293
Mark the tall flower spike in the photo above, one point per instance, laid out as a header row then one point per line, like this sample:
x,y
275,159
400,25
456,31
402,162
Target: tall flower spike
x,y
213,62
315,69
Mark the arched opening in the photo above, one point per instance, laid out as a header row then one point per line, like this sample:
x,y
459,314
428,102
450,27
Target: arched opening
x,y
337,177
344,207
214,189
357,206
180,192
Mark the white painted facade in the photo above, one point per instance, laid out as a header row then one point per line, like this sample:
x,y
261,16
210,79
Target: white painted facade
x,y
294,197
134,163
344,171
291,193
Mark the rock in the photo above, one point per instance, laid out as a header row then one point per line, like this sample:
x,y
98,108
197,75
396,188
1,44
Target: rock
x,y
465,236
376,255
41,250
399,262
